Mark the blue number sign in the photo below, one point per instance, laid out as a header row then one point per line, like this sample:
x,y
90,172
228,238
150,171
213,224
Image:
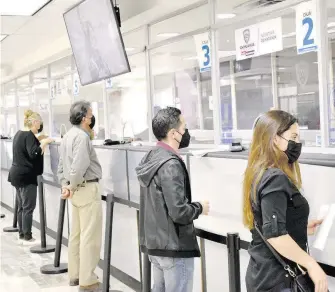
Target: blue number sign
x,y
306,27
307,40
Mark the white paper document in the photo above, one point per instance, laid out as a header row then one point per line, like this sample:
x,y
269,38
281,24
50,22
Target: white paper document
x,y
327,213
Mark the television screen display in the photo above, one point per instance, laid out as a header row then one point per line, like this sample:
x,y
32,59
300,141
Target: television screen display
x,y
96,41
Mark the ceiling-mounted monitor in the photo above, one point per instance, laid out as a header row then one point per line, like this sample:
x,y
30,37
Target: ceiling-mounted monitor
x,y
96,41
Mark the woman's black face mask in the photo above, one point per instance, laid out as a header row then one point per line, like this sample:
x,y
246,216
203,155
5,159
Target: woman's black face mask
x,y
293,151
41,128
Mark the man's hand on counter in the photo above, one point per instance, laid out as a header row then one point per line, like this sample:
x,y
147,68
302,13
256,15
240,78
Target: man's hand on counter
x,y
205,207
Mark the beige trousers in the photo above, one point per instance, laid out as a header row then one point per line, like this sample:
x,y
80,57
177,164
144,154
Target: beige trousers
x,y
86,232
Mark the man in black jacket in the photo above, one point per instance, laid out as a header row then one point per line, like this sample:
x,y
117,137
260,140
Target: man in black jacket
x,y
167,212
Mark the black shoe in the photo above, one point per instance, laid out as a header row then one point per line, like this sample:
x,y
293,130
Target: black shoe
x,y
74,282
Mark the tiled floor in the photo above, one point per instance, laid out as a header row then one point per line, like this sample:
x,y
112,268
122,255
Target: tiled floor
x,y
20,269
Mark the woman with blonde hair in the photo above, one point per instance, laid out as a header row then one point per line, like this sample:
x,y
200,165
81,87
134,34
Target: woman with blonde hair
x,y
275,210
27,165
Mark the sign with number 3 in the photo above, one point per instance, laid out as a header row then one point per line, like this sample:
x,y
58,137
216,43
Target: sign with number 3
x,y
306,27
203,46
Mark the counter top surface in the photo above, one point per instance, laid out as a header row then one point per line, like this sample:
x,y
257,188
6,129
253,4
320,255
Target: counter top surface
x,y
327,160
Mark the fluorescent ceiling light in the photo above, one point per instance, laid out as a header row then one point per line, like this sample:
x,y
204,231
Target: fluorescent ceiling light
x,y
21,7
190,58
168,34
130,49
225,15
331,24
2,37
307,93
288,35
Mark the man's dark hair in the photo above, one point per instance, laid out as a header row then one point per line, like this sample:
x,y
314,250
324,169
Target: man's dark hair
x,y
78,110
165,120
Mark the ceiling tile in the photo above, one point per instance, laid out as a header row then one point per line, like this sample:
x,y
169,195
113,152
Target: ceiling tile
x,y
10,24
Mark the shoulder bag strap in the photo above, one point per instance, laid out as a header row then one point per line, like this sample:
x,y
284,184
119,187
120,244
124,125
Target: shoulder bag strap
x,y
275,254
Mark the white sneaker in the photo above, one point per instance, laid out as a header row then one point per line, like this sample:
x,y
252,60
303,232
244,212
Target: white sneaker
x,y
31,241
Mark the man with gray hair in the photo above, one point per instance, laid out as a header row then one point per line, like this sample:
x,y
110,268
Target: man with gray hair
x,y
79,172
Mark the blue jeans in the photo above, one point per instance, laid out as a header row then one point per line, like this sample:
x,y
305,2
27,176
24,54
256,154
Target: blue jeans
x,y
172,274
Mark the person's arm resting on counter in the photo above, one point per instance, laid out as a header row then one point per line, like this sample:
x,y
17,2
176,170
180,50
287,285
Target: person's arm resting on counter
x,y
33,147
174,191
274,207
80,161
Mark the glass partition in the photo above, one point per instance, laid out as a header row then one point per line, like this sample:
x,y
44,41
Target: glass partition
x,y
24,93
189,21
40,104
61,67
127,102
61,99
256,79
94,94
177,82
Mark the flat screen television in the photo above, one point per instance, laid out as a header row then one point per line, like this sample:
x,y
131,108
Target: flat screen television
x,y
96,41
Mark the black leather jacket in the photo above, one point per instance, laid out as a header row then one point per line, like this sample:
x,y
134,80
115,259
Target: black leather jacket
x,y
166,211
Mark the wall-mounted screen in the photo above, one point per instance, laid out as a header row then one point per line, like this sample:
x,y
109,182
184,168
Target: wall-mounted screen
x,y
96,41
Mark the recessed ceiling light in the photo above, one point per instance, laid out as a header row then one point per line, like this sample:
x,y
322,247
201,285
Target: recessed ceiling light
x,y
22,7
130,49
168,34
225,15
2,37
288,35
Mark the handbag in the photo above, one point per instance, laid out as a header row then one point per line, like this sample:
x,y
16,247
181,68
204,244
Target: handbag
x,y
300,282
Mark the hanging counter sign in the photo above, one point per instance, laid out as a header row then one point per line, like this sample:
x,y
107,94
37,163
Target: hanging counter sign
x,y
76,83
259,39
108,83
203,47
306,27
246,40
270,36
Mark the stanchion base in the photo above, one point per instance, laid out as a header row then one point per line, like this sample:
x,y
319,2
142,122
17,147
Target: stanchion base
x,y
2,216
38,249
52,270
10,229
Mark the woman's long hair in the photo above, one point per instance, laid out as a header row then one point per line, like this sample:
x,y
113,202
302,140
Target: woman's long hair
x,y
265,154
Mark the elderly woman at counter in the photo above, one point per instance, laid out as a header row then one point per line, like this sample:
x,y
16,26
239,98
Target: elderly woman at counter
x,y
276,211
27,165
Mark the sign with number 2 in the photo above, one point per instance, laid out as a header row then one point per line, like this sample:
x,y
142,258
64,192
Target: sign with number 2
x,y
306,28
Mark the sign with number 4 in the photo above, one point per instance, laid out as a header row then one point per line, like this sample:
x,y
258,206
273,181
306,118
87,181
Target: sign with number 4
x,y
203,46
306,27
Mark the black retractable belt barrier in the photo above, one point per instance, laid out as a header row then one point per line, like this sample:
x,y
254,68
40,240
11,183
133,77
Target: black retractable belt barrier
x,y
43,248
57,267
233,244
2,216
108,244
13,228
146,285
